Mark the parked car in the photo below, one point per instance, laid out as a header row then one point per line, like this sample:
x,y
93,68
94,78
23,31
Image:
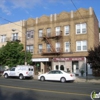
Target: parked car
x,y
57,75
21,71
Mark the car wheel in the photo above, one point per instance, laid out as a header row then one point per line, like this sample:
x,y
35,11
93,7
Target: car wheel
x,y
21,77
42,78
6,76
63,80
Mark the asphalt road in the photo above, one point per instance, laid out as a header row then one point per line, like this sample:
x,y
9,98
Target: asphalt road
x,y
15,89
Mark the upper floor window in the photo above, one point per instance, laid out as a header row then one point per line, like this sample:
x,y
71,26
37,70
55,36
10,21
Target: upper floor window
x,y
57,30
81,45
30,34
40,33
40,48
14,36
81,28
48,32
58,47
66,30
48,48
29,48
3,38
67,46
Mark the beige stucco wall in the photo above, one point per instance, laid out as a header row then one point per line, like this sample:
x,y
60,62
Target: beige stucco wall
x,y
6,29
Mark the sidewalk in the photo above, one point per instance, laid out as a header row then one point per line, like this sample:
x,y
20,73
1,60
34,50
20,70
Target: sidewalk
x,y
89,79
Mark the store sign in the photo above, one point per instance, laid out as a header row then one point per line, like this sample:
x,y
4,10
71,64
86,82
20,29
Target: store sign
x,y
40,59
69,59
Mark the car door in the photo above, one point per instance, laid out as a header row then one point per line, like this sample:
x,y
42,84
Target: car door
x,y
50,75
12,72
57,76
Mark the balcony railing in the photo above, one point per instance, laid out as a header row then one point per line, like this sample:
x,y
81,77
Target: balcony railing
x,y
13,39
49,51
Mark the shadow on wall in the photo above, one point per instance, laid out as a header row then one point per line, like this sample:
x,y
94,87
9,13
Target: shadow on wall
x,y
17,95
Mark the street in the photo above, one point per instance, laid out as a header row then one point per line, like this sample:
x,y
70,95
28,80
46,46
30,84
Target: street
x,y
15,89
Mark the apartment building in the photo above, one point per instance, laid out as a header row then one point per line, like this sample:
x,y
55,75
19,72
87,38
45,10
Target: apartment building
x,y
61,41
11,32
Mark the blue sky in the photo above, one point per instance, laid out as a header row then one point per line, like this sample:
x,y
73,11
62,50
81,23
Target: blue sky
x,y
16,10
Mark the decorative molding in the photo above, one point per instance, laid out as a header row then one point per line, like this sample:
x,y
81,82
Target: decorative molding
x,y
63,15
44,18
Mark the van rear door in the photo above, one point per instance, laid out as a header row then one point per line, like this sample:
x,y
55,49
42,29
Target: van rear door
x,y
30,71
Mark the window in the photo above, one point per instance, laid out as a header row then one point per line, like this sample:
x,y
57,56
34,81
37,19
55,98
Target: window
x,y
48,48
48,32
40,33
66,30
67,46
14,36
29,48
13,69
30,34
40,48
58,47
81,28
57,30
81,45
3,38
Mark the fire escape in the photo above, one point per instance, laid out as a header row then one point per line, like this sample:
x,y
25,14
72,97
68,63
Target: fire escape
x,y
49,39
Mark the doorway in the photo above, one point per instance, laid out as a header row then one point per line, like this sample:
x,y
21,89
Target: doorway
x,y
75,67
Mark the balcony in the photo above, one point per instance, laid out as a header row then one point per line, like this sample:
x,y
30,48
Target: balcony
x,y
57,35
49,51
13,39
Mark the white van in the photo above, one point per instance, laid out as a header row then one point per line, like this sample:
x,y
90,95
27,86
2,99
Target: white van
x,y
21,71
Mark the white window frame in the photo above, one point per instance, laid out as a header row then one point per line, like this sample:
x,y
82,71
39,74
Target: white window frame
x,y
14,36
57,30
81,28
40,33
30,48
40,48
58,47
80,45
3,38
66,30
48,32
48,46
67,46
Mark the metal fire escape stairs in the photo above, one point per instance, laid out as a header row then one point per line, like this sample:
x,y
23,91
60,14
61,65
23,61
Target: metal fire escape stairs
x,y
47,40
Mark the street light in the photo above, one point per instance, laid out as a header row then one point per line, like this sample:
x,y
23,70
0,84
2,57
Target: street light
x,y
25,45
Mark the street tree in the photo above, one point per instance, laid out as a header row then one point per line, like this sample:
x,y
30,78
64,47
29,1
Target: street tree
x,y
13,54
94,59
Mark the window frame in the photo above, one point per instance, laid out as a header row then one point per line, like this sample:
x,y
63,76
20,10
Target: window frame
x,y
66,47
40,48
80,28
3,38
30,34
81,43
29,48
40,33
65,29
14,36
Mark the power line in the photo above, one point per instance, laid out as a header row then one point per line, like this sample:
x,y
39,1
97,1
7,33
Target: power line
x,y
9,21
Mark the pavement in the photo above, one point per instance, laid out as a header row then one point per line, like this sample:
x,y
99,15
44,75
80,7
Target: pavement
x,y
89,79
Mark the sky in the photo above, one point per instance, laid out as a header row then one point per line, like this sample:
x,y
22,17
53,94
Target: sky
x,y
16,10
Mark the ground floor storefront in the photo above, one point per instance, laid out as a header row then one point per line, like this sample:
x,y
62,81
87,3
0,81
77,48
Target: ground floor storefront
x,y
77,65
